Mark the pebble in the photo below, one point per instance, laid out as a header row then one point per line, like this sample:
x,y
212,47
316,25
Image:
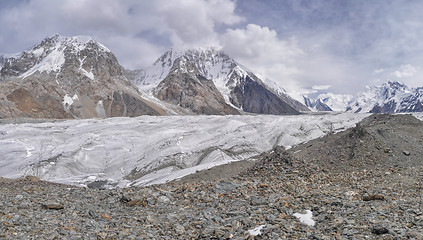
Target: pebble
x,y
53,205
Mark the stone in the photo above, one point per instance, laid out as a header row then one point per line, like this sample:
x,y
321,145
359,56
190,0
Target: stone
x,y
373,197
53,206
379,229
222,187
406,153
106,216
32,178
137,202
163,199
91,213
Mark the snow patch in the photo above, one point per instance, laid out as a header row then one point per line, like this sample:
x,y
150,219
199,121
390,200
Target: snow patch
x,y
89,75
38,52
68,101
53,62
305,217
256,231
101,112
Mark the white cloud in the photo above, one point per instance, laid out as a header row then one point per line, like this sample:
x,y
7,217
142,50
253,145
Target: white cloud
x,y
133,52
260,49
405,71
193,22
321,87
378,71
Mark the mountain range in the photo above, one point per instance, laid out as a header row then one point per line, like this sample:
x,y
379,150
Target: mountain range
x,y
390,97
78,77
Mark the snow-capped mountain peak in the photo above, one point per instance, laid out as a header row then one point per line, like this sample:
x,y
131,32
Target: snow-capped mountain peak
x,y
49,55
212,64
228,76
69,77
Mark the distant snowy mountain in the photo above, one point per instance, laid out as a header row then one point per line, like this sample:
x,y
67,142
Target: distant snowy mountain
x,y
316,104
68,77
241,89
390,97
336,102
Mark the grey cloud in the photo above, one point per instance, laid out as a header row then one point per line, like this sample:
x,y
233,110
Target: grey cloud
x,y
120,25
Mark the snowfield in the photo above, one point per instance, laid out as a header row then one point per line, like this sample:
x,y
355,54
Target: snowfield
x,y
150,150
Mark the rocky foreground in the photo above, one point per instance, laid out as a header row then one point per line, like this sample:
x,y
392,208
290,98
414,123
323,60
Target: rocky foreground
x,y
364,183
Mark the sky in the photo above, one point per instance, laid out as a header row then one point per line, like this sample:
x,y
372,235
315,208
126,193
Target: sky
x,y
306,46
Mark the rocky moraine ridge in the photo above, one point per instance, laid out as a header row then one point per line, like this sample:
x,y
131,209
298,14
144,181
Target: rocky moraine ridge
x,y
363,183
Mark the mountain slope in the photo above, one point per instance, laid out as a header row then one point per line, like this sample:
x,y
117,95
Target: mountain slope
x,y
239,87
73,77
184,86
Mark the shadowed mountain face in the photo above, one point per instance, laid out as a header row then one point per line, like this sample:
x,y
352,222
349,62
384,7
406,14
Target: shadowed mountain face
x,y
68,78
253,97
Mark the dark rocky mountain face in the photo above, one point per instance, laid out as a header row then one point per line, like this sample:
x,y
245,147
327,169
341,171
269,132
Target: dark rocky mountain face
x,y
69,78
251,96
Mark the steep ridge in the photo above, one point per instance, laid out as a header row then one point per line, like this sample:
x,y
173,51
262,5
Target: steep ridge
x,y
239,87
65,77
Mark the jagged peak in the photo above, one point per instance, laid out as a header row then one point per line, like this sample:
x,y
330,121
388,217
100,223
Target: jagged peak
x,y
205,53
50,55
395,85
77,43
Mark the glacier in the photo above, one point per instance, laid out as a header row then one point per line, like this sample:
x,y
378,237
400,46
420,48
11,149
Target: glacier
x,y
150,150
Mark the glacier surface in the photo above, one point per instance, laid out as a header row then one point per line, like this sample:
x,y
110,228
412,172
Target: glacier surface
x,y
150,150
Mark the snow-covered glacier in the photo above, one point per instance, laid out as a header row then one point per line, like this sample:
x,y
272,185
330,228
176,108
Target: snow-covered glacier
x,y
149,150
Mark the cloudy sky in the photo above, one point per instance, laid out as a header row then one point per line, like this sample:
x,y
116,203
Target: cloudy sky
x,y
306,46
